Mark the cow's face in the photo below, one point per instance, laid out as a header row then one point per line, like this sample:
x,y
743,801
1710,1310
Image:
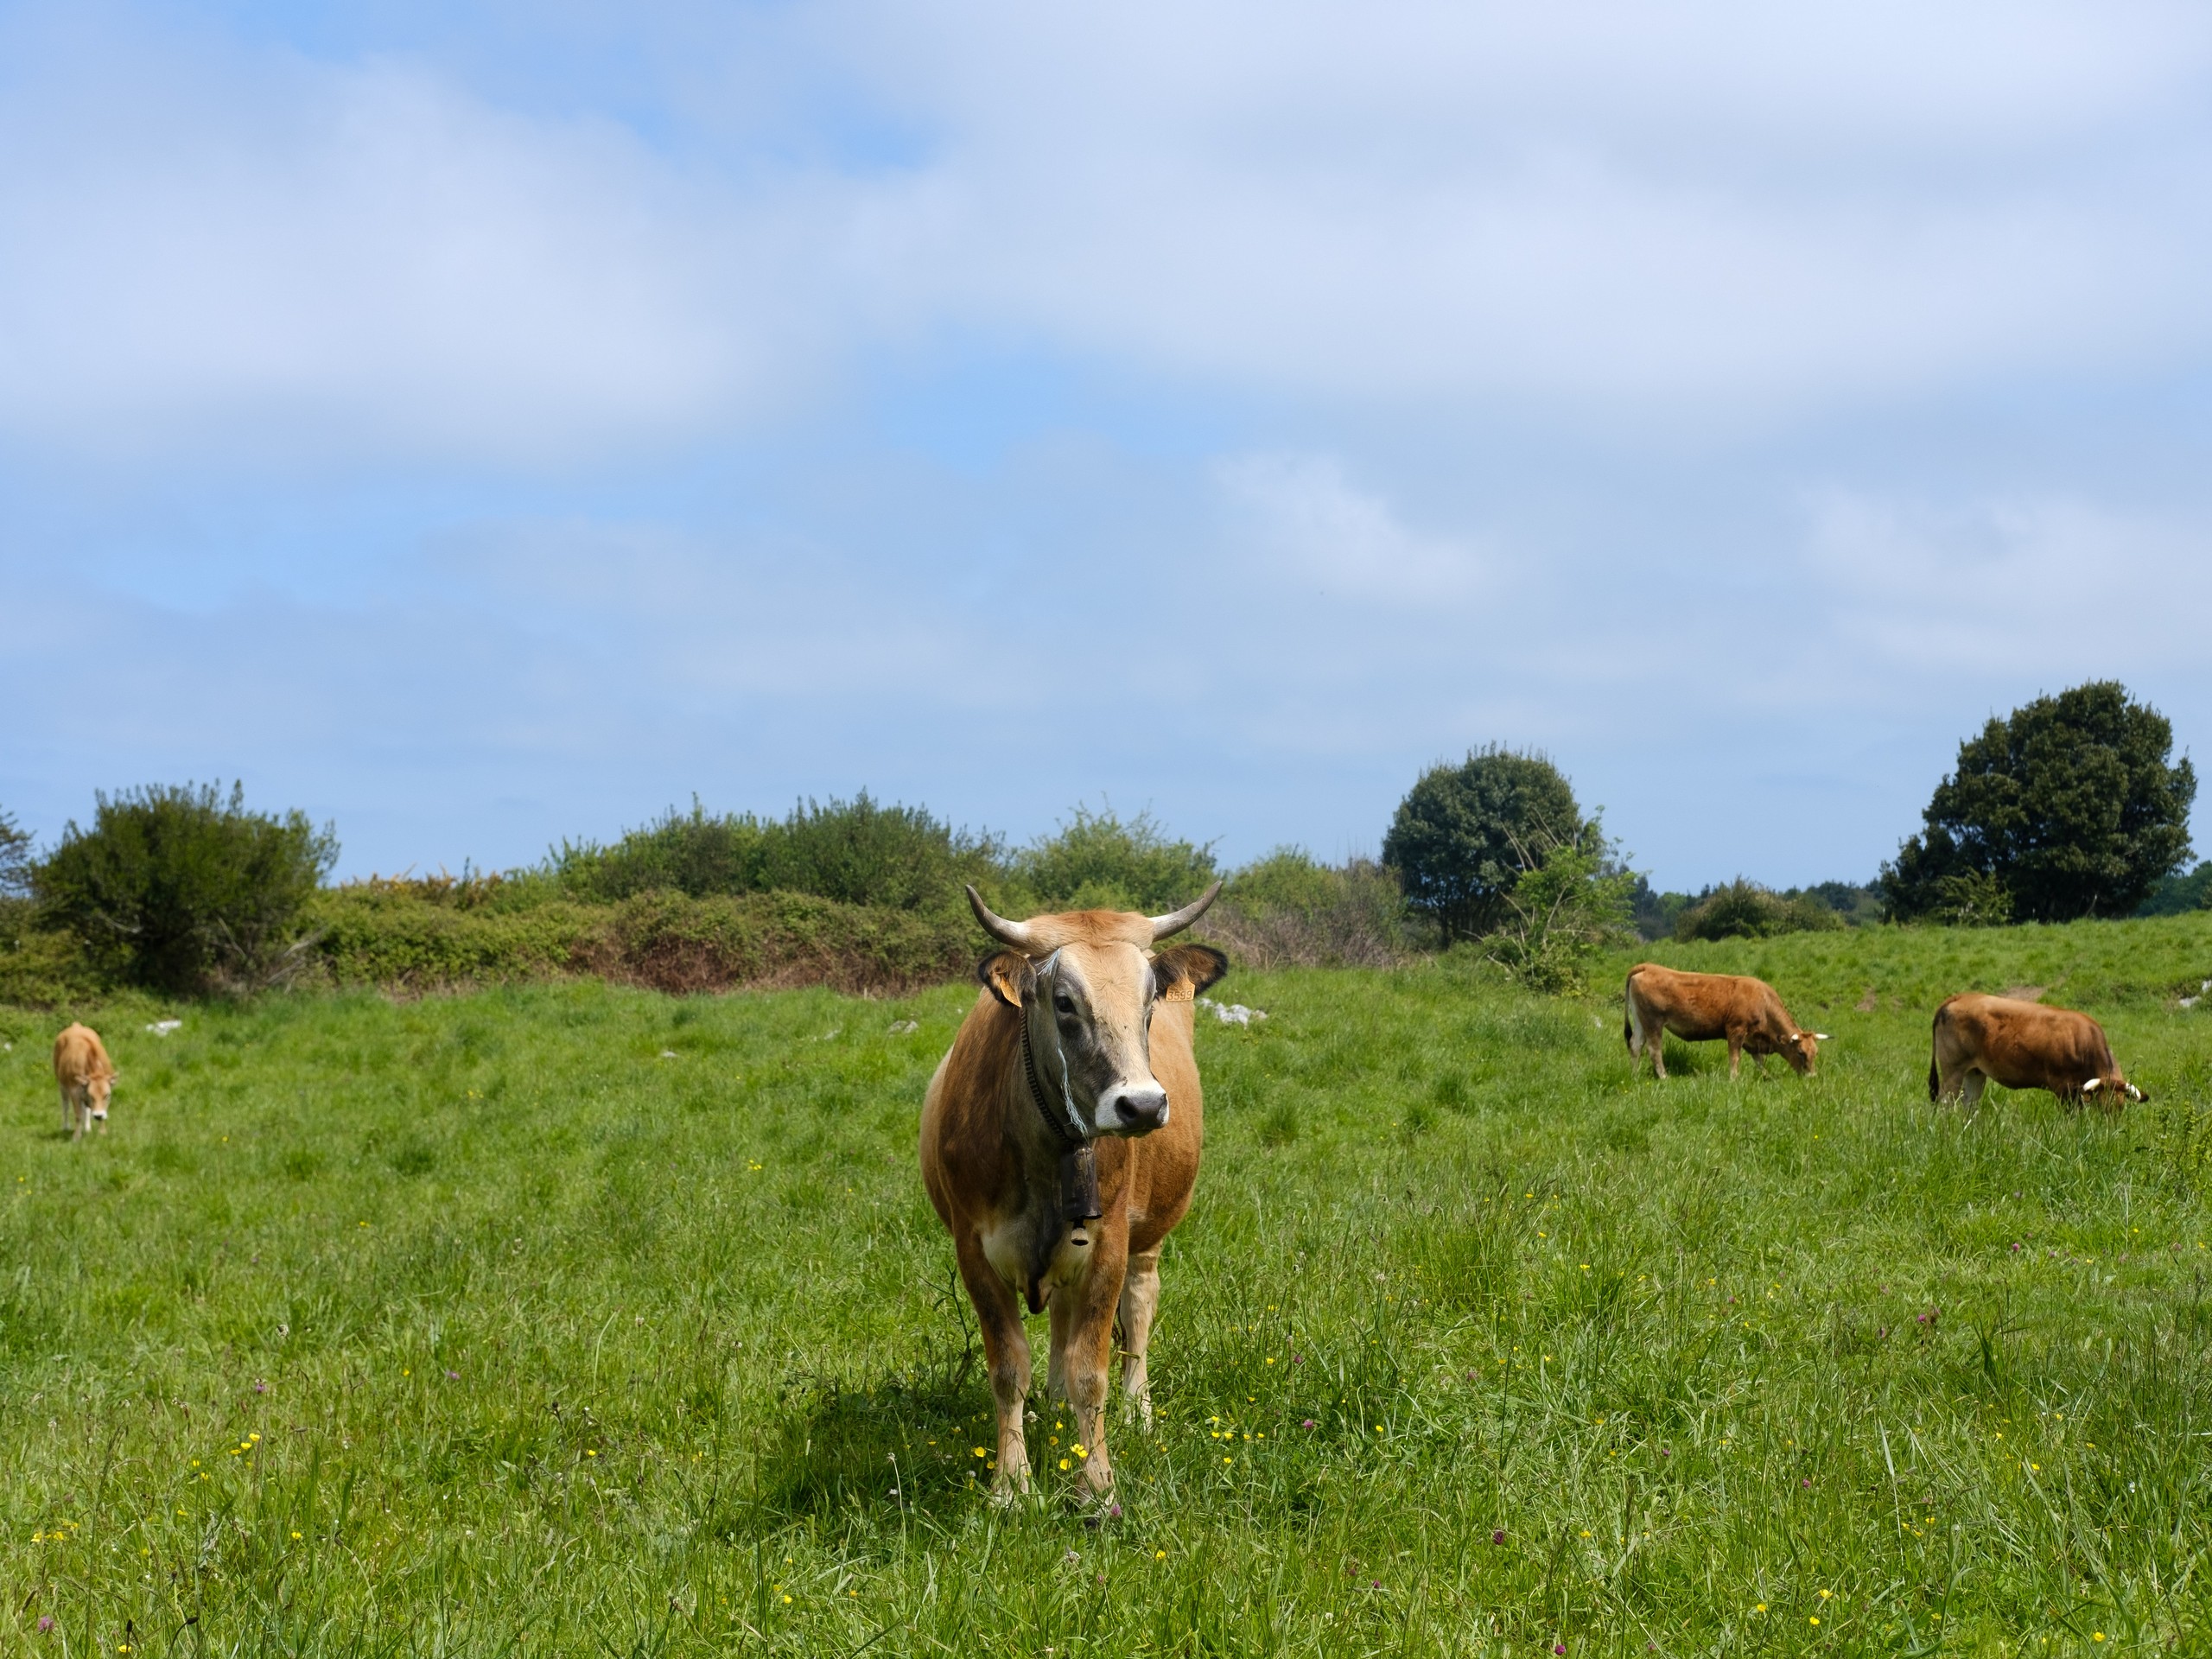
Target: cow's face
x,y
1089,1008
1802,1051
2112,1092
97,1090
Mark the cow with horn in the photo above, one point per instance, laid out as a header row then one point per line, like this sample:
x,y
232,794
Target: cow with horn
x,y
1060,1143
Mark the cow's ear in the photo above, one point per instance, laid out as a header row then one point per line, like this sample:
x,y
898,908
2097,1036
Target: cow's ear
x,y
1184,971
1008,975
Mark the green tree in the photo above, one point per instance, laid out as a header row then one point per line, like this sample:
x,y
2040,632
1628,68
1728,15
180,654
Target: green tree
x,y
2179,893
179,890
2067,809
1465,833
15,858
1098,862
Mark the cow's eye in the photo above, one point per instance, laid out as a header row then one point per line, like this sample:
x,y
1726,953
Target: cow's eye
x,y
1064,1003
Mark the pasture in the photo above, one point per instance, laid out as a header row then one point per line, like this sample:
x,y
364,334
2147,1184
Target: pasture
x,y
564,1318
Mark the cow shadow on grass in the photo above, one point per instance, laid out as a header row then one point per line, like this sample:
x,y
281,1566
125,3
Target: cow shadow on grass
x,y
903,1439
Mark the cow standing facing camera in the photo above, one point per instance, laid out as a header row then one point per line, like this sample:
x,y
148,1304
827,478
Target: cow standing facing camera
x,y
1059,1145
1980,1038
86,1076
1705,1008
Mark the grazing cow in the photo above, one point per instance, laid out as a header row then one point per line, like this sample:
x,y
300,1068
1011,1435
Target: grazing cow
x,y
1059,1144
87,1075
1699,1007
1981,1039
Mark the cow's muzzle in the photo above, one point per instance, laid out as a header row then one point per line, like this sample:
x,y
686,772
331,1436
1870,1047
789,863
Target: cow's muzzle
x,y
1136,1111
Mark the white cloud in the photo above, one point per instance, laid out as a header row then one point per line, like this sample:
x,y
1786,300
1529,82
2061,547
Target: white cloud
x,y
244,255
1303,518
2071,589
1718,209
1662,219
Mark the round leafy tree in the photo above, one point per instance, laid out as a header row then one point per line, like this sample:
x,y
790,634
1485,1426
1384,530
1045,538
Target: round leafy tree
x,y
1464,835
2067,809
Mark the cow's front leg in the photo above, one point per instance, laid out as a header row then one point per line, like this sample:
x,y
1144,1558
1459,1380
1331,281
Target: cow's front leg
x,y
1140,1301
1735,1054
1083,1360
1006,1351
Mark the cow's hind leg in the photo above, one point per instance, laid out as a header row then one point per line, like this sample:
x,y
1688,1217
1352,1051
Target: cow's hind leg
x,y
1006,1351
1140,1301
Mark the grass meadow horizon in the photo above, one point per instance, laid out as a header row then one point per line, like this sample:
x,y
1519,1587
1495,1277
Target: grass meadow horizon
x,y
567,1317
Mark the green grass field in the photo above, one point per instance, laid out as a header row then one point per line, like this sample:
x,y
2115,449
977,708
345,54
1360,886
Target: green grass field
x,y
572,1320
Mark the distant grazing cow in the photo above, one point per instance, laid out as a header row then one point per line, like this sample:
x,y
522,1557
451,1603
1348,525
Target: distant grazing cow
x,y
2022,1046
1059,1144
87,1075
1702,1008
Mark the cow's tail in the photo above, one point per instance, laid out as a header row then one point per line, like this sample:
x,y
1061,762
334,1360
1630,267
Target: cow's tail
x,y
1934,1075
1629,1032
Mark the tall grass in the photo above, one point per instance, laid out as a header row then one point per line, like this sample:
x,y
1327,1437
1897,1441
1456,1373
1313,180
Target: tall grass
x,y
571,1318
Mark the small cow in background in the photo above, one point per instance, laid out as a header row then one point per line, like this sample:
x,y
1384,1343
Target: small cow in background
x,y
2023,1045
1702,1008
87,1075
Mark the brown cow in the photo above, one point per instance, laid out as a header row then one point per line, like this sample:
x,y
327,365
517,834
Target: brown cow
x,y
1699,1007
1060,1143
86,1076
2022,1046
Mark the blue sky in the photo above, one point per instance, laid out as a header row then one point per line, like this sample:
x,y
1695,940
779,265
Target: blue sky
x,y
480,425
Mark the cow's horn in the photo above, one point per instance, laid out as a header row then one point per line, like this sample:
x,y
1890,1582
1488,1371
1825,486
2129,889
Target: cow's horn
x,y
1819,1036
1175,921
2133,1093
2093,1085
1016,934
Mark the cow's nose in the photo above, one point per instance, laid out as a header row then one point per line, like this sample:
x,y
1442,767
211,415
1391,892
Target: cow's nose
x,y
1142,1109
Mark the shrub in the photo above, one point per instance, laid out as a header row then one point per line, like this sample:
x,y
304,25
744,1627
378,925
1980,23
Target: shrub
x,y
39,968
2068,805
679,853
1857,903
178,890
499,891
1098,862
1743,910
1559,916
384,935
1289,910
394,933
675,943
855,852
1465,834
